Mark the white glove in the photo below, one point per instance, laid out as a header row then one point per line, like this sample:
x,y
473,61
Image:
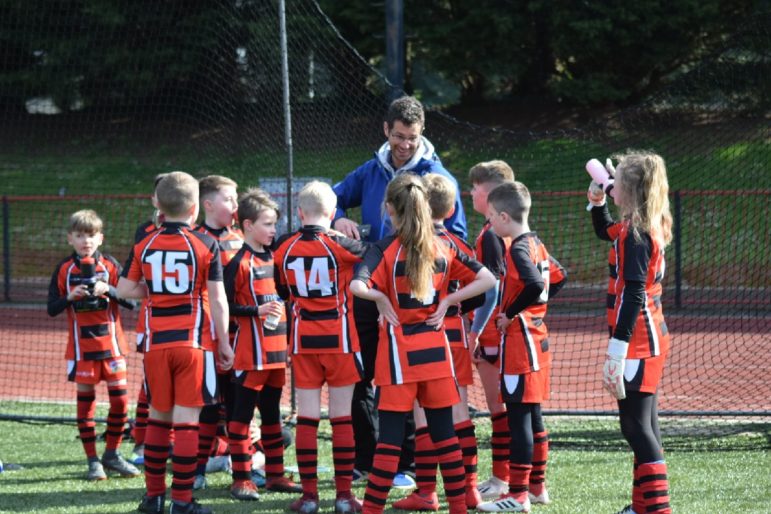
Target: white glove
x,y
609,166
613,370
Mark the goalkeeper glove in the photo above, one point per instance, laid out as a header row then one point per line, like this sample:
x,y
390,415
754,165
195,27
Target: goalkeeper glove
x,y
613,370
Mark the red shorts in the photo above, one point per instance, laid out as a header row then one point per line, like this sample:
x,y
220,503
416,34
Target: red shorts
x,y
256,379
644,375
430,394
461,361
311,370
180,376
93,372
490,337
530,387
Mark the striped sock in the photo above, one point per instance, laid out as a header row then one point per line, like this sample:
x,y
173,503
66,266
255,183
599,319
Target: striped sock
x,y
500,443
273,446
239,450
306,448
638,503
116,417
425,461
157,444
86,410
206,433
453,473
343,452
519,478
655,487
140,417
381,476
540,457
183,461
468,445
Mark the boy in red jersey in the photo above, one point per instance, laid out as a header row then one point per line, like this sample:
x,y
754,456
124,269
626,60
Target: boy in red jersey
x,y
639,338
218,198
183,283
483,336
83,284
532,278
313,269
259,369
408,275
441,196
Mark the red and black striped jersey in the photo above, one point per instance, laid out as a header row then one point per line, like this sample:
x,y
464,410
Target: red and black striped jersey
x,y
313,270
176,263
413,351
453,320
249,283
641,260
525,345
95,330
230,240
491,250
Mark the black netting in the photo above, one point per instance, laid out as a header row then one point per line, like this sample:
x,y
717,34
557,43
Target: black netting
x,y
88,121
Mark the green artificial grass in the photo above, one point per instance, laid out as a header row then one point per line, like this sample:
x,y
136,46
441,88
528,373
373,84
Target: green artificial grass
x,y
586,481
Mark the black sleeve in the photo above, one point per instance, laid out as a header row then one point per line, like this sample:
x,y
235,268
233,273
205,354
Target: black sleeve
x,y
56,302
371,260
555,287
601,221
472,303
637,252
113,292
354,246
529,274
492,253
281,287
215,270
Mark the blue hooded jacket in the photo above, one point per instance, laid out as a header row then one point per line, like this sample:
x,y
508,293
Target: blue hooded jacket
x,y
365,187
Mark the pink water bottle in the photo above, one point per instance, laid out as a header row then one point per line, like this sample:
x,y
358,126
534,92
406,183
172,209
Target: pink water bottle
x,y
600,175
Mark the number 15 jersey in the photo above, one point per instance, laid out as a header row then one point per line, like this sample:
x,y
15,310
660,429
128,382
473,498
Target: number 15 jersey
x,y
176,263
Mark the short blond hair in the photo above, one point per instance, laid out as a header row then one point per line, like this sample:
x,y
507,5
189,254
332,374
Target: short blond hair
x,y
177,192
317,198
86,220
253,202
441,195
513,198
491,172
210,185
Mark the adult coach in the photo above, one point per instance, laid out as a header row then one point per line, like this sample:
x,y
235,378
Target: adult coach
x,y
406,150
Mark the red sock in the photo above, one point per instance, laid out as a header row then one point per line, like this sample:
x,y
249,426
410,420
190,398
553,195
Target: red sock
x,y
500,443
453,473
240,456
206,433
86,425
655,487
425,462
468,446
273,446
183,461
156,452
343,452
519,478
116,416
140,417
540,457
220,447
381,476
306,448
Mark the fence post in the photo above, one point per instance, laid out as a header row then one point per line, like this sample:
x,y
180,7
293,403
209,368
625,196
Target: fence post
x,y
678,251
6,250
